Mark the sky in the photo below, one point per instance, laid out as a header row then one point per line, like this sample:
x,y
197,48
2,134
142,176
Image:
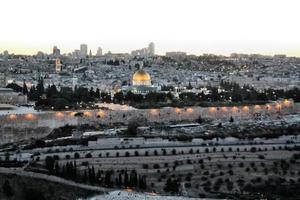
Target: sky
x,y
194,26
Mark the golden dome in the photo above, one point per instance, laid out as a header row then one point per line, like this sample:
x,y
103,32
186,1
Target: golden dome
x,y
141,77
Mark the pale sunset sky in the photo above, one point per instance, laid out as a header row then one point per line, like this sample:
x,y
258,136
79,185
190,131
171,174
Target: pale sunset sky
x,y
194,26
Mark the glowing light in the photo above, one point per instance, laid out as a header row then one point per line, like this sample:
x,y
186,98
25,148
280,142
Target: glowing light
x,y
153,194
153,112
213,109
129,190
30,116
257,107
12,117
286,103
72,114
278,106
246,109
178,110
87,114
190,110
224,109
101,114
234,109
59,115
268,107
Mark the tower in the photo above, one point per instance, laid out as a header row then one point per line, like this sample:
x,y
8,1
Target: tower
x,y
99,51
58,65
151,49
56,51
83,50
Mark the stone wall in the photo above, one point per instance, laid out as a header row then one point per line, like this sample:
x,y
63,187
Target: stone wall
x,y
17,127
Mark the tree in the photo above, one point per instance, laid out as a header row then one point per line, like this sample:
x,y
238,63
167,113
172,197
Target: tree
x,y
132,128
15,87
7,189
174,151
199,120
142,182
92,93
25,89
40,87
189,87
119,97
172,185
51,91
97,94
76,155
49,163
133,179
57,169
126,179
88,155
7,155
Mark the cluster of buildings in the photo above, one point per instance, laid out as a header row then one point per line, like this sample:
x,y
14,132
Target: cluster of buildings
x,y
145,52
142,71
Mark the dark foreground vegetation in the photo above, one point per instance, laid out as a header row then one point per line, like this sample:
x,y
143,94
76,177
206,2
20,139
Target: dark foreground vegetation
x,y
229,95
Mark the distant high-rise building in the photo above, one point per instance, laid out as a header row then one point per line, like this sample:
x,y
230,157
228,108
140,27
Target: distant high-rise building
x,y
76,53
151,49
99,51
58,65
90,54
83,50
56,51
145,52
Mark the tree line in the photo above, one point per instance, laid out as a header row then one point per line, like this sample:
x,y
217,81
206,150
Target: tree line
x,y
227,92
108,178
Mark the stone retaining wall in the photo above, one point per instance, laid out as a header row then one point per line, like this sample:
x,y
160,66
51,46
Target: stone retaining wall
x,y
18,127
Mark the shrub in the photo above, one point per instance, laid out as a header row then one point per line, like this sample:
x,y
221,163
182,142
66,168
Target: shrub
x,y
88,155
156,166
76,155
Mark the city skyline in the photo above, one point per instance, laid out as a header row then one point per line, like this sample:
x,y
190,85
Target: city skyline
x,y
216,27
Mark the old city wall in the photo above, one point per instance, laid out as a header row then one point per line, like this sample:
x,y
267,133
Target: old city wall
x,y
18,127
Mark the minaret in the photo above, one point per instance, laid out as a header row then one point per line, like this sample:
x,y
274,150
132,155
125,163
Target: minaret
x,y
58,65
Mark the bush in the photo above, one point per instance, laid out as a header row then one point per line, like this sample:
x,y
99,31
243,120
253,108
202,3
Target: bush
x,y
76,155
174,151
145,166
156,166
88,155
132,128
